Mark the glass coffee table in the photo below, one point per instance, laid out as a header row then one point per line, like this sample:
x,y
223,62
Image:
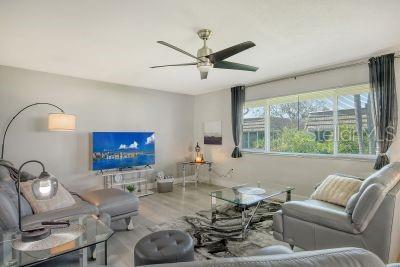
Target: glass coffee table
x,y
85,232
244,201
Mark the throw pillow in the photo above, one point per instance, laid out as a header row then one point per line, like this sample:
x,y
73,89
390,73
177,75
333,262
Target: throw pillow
x,y
337,189
62,199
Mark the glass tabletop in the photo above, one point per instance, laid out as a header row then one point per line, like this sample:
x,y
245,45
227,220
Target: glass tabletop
x,y
196,163
84,231
235,196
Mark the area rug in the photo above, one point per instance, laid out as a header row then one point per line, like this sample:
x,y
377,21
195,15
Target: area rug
x,y
223,238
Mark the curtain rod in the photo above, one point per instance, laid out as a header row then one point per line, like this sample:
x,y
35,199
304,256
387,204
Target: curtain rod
x,y
311,72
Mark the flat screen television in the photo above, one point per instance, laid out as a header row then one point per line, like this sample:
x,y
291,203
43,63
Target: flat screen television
x,y
121,150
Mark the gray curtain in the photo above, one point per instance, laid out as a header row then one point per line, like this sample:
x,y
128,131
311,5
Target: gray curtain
x,y
237,103
384,103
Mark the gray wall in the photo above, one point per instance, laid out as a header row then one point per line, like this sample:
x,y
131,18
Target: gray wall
x,y
99,106
303,172
177,120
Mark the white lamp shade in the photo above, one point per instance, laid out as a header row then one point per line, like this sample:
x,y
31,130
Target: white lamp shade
x,y
61,122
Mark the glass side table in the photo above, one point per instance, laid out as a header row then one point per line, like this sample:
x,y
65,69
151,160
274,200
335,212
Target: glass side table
x,y
95,232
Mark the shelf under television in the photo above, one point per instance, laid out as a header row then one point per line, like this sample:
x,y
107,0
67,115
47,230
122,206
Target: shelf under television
x,y
129,176
127,182
144,193
124,172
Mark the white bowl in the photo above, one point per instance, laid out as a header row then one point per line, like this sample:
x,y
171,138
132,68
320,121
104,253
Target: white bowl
x,y
247,190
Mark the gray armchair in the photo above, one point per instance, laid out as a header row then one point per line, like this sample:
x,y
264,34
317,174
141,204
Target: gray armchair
x,y
371,219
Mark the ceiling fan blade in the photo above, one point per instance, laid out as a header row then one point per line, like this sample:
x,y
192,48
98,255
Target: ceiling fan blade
x,y
179,50
174,65
230,51
203,75
234,66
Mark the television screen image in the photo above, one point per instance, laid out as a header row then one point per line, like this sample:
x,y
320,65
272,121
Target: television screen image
x,y
120,150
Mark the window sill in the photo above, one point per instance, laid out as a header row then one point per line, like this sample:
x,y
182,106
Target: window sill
x,y
369,158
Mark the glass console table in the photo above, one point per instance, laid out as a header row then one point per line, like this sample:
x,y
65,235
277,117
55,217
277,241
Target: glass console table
x,y
196,165
93,232
244,201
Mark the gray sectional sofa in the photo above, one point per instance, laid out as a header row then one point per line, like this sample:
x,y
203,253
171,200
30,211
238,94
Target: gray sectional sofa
x,y
340,257
116,203
371,219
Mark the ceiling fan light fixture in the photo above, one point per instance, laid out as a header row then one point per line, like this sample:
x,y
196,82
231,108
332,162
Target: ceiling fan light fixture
x,y
207,60
204,67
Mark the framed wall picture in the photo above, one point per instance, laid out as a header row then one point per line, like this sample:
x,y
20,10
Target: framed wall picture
x,y
212,133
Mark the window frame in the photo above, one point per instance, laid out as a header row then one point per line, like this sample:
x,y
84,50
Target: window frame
x,y
334,93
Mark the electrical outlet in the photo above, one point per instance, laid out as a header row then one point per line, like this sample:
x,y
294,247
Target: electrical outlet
x,y
229,173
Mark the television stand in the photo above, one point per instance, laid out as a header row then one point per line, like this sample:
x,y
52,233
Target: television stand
x,y
123,178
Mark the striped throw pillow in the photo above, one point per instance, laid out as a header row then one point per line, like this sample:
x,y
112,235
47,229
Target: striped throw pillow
x,y
337,189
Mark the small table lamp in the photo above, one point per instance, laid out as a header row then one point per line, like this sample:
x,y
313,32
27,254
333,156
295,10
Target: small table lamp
x,y
199,157
43,187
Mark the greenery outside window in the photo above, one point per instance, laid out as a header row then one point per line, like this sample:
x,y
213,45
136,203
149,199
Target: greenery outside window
x,y
333,122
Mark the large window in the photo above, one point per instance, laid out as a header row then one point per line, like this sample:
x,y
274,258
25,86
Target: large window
x,y
336,121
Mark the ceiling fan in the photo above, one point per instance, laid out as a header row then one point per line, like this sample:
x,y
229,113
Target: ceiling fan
x,y
206,59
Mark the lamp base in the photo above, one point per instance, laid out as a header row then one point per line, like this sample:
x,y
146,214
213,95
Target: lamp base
x,y
35,235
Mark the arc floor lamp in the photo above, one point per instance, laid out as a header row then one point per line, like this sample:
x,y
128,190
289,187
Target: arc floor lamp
x,y
44,186
60,121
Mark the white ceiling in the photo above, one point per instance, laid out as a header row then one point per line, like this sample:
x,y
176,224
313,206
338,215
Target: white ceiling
x,y
115,41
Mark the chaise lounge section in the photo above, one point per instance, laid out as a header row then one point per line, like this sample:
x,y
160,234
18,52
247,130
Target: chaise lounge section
x,y
117,203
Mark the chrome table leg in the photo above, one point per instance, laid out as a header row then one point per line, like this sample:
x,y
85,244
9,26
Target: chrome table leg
x,y
213,208
184,174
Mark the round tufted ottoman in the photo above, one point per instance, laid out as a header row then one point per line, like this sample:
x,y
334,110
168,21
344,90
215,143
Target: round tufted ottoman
x,y
164,247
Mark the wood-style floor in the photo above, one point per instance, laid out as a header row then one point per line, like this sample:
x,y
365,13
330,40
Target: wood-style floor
x,y
156,209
